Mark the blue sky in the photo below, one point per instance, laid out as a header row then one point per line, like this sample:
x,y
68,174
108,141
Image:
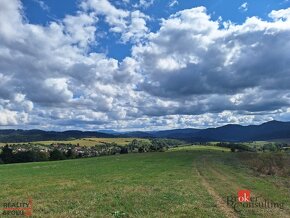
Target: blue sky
x,y
143,65
45,11
227,9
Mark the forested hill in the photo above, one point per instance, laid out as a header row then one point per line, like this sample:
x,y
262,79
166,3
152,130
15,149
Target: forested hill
x,y
232,132
11,135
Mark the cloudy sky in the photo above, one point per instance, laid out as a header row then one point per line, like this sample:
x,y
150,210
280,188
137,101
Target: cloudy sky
x,y
143,64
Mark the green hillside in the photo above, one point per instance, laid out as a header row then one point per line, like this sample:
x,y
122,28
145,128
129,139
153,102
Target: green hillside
x,y
187,182
81,142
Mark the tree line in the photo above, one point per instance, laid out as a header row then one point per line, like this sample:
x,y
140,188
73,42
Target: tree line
x,y
271,147
33,153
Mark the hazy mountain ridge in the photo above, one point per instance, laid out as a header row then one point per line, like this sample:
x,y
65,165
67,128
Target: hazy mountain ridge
x,y
19,135
231,132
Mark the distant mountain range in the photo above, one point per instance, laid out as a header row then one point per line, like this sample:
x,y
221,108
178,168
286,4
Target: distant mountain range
x,y
11,135
232,132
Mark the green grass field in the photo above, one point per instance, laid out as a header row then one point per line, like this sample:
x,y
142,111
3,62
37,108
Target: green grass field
x,y
84,141
183,182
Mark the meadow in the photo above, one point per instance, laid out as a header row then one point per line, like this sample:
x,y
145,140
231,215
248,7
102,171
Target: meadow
x,y
82,141
182,182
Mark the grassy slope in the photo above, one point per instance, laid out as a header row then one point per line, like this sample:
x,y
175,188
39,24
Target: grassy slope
x,y
170,184
85,141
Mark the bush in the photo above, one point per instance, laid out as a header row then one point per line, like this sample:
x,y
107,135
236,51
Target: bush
x,y
43,156
268,163
7,154
124,150
71,154
235,146
55,154
25,156
30,156
271,147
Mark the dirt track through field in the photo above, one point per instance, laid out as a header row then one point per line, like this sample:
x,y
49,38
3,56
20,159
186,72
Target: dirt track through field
x,y
229,211
226,210
225,179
